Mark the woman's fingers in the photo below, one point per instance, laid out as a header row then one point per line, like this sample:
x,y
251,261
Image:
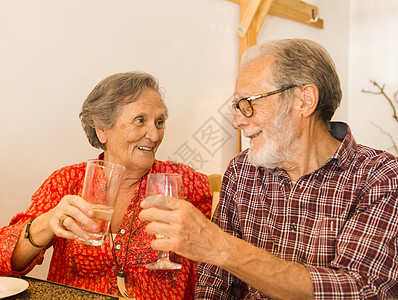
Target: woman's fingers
x,y
62,231
80,203
72,218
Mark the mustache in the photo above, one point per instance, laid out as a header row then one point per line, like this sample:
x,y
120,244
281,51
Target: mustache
x,y
250,132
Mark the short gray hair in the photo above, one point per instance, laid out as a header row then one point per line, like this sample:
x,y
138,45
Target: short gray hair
x,y
300,62
104,103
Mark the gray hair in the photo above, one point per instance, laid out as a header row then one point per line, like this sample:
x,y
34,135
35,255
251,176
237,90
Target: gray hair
x,y
300,62
104,103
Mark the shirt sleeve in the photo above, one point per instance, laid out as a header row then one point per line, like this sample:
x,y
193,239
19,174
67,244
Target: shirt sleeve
x,y
9,236
49,194
365,265
214,282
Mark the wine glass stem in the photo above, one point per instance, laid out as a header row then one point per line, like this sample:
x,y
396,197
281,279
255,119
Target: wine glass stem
x,y
163,255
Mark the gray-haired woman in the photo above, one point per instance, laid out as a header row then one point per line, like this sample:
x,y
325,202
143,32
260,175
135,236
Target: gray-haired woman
x,y
125,116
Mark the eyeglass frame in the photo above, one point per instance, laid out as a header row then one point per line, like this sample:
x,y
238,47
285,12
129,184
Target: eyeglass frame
x,y
235,106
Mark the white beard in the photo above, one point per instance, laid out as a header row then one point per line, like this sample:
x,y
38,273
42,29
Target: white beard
x,y
280,143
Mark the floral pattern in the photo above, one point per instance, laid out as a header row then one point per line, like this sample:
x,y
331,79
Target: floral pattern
x,y
93,267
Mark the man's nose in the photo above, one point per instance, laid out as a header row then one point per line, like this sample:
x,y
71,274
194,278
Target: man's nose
x,y
239,120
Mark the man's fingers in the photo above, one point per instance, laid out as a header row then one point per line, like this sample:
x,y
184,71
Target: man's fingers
x,y
161,201
162,244
156,200
154,214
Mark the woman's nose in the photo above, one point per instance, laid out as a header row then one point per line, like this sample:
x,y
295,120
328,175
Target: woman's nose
x,y
153,133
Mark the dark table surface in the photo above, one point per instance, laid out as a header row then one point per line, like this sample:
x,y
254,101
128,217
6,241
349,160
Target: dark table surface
x,y
41,289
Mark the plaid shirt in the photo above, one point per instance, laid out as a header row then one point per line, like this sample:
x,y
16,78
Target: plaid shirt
x,y
340,221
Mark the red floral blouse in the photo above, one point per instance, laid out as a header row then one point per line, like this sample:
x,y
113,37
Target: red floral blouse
x,y
93,267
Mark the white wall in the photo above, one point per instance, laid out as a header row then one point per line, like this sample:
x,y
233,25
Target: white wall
x,y
54,52
373,56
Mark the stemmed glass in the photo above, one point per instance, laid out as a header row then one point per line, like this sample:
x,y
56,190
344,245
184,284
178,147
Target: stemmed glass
x,y
169,185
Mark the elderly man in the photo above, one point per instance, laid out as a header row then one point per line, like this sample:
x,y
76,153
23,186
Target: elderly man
x,y
306,212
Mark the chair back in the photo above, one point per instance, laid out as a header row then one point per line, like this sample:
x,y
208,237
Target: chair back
x,y
215,186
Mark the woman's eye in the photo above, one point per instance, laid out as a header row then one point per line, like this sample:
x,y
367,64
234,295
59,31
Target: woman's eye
x,y
160,123
139,121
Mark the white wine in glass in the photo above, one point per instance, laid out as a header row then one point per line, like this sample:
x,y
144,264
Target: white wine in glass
x,y
168,184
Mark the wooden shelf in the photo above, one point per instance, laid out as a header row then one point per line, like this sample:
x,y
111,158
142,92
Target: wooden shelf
x,y
290,9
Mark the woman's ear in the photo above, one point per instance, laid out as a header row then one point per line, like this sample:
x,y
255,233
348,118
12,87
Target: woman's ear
x,y
309,99
101,134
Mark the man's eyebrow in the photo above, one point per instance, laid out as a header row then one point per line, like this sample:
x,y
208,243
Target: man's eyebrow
x,y
237,97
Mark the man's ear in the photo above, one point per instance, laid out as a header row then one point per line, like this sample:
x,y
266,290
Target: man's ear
x,y
101,134
308,99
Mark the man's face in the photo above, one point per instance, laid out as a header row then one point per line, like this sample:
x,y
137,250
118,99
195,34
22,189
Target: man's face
x,y
270,128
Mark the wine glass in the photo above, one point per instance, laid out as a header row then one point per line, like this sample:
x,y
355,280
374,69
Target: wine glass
x,y
167,184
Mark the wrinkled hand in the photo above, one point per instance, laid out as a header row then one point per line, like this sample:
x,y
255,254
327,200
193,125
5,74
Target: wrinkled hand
x,y
189,233
77,209
47,225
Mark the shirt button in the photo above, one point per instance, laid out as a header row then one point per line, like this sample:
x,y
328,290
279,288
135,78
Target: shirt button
x,y
122,231
285,181
118,247
293,227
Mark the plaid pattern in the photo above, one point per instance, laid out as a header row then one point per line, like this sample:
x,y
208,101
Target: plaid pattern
x,y
340,221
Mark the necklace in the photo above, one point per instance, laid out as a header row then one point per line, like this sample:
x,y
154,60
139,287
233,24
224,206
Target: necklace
x,y
121,274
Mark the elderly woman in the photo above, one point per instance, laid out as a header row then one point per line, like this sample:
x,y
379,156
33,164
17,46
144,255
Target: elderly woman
x,y
124,116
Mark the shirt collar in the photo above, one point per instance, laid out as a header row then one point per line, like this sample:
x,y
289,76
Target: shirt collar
x,y
345,153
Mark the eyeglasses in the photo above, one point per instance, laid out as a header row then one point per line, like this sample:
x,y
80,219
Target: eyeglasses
x,y
245,104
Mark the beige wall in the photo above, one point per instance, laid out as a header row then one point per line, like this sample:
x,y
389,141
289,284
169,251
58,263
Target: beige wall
x,y
373,56
54,52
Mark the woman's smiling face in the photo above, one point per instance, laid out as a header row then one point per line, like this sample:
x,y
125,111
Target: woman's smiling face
x,y
137,133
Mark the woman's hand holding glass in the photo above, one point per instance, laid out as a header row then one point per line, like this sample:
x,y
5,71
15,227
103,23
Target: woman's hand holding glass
x,y
92,214
64,216
59,221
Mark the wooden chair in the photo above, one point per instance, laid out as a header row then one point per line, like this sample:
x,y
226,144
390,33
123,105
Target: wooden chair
x,y
215,186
